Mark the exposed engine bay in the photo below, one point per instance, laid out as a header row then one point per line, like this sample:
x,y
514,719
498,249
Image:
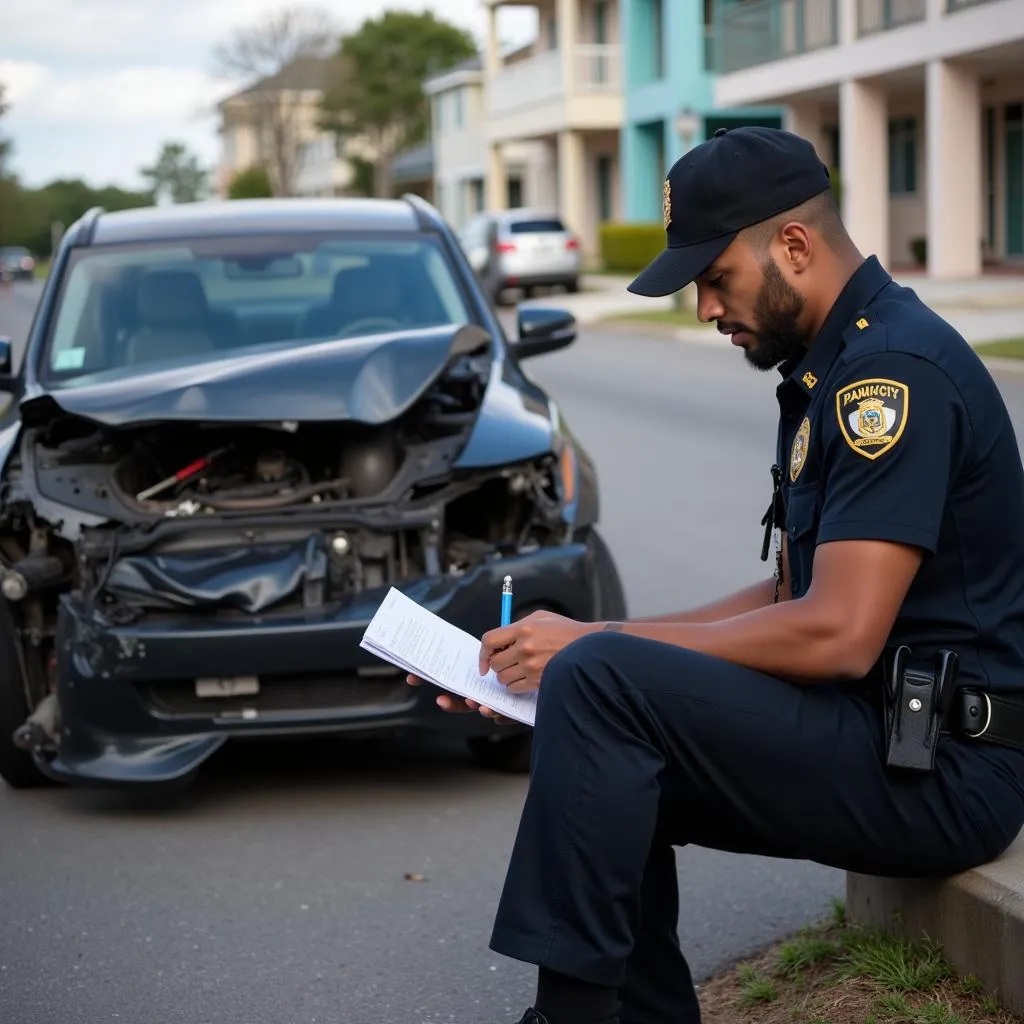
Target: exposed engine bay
x,y
255,518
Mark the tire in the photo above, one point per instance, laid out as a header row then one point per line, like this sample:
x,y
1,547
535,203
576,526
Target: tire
x,y
507,754
611,597
17,767
573,286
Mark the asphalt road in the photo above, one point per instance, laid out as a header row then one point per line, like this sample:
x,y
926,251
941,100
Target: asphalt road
x,y
276,891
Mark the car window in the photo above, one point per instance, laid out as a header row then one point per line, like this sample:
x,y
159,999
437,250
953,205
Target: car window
x,y
132,306
539,226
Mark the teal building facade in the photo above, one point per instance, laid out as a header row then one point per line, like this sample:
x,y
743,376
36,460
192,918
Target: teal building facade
x,y
669,96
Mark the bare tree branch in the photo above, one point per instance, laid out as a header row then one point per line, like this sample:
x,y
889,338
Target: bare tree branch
x,y
280,58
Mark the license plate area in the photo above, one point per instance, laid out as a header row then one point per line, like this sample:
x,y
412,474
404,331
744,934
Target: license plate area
x,y
213,687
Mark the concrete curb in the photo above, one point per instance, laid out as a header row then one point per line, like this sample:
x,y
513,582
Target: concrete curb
x,y
710,336
977,916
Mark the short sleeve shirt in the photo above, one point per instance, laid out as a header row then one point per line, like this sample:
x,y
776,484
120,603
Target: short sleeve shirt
x,y
892,429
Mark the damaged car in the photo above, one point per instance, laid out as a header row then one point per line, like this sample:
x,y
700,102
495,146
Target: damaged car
x,y
235,426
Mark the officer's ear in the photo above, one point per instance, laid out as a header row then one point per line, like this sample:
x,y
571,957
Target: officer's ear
x,y
796,246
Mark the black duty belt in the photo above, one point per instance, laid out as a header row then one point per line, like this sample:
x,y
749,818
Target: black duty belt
x,y
922,701
988,717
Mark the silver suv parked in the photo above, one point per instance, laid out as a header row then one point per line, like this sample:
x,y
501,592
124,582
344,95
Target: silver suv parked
x,y
521,249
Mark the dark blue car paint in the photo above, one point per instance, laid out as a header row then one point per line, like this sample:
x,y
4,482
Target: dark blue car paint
x,y
115,735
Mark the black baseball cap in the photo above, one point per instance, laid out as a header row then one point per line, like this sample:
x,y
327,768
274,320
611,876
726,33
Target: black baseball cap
x,y
737,178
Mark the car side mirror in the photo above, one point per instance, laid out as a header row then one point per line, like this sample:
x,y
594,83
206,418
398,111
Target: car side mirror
x,y
543,330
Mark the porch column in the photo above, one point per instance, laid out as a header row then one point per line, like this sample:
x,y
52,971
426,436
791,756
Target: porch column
x,y
572,185
496,183
804,119
491,48
864,158
567,26
954,174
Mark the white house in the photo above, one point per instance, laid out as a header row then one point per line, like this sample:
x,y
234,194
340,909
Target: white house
x,y
919,103
459,136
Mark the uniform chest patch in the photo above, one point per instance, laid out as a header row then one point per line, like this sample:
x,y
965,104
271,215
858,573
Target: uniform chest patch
x,y
872,414
798,451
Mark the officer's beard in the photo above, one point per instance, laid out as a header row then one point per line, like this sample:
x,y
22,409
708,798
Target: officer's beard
x,y
776,310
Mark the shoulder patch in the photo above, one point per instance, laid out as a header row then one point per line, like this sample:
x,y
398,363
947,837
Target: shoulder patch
x,y
798,452
872,414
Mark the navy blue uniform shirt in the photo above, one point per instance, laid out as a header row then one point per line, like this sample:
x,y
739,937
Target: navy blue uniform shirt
x,y
891,428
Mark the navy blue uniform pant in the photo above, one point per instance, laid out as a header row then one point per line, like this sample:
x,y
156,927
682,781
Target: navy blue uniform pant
x,y
641,746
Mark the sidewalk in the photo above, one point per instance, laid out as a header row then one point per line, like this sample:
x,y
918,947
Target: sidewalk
x,y
987,309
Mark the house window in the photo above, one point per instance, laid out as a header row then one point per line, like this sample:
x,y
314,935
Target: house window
x,y
457,103
604,187
657,39
903,156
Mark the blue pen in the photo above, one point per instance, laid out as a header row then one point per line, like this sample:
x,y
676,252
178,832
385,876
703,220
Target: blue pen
x,y
506,601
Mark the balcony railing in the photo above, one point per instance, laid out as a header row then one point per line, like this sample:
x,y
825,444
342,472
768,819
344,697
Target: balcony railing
x,y
881,15
753,32
596,68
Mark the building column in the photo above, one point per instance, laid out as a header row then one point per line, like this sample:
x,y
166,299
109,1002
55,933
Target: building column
x,y
572,185
492,46
804,119
496,184
864,158
954,176
567,23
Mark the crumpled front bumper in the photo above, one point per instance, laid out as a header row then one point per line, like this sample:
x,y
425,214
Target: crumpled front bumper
x,y
129,710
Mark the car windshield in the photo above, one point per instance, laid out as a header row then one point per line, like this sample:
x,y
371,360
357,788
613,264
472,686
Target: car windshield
x,y
151,306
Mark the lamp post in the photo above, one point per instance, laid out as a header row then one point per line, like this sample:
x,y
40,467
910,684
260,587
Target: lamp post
x,y
687,124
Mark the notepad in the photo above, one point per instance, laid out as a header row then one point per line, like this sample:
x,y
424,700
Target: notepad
x,y
416,640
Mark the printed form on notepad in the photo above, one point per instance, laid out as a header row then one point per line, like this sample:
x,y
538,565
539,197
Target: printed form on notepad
x,y
416,640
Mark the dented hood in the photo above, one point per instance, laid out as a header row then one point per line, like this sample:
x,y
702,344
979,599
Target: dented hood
x,y
371,379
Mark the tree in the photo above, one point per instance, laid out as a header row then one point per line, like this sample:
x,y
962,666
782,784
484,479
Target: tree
x,y
252,183
177,173
281,57
376,89
6,146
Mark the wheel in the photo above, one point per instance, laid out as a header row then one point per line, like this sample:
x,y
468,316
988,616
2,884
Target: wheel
x,y
573,286
508,754
611,597
17,768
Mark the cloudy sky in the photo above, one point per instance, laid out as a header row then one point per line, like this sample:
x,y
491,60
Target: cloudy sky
x,y
96,86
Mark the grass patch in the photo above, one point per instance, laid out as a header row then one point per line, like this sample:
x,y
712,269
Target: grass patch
x,y
1005,348
836,973
684,317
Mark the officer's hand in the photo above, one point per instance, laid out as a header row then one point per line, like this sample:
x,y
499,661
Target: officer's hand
x,y
462,705
518,653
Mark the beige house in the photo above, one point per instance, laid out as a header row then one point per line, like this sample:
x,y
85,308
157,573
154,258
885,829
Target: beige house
x,y
459,150
562,97
919,103
274,123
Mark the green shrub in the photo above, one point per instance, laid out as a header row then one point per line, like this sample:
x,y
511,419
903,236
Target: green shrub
x,y
630,247
252,183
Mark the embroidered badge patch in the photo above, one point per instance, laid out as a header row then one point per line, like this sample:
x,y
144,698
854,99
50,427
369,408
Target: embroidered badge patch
x,y
798,452
872,414
666,203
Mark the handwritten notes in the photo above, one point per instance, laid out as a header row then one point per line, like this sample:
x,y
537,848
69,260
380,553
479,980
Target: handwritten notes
x,y
416,640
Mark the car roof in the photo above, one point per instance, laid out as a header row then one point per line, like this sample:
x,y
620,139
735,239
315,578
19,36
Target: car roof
x,y
254,216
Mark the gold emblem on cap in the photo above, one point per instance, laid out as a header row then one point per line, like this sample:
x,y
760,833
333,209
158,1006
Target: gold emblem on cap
x,y
666,203
862,323
809,379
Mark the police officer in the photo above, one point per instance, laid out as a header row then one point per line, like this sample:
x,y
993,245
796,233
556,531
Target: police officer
x,y
862,708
